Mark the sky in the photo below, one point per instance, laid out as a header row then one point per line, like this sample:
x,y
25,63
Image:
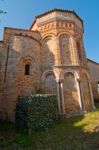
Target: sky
x,y
21,13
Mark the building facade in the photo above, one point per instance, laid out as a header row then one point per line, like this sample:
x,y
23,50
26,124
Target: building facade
x,y
50,56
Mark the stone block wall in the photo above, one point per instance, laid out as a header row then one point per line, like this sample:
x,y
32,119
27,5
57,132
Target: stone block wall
x,y
94,73
20,48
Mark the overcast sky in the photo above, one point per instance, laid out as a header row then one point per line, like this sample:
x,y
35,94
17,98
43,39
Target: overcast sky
x,y
21,13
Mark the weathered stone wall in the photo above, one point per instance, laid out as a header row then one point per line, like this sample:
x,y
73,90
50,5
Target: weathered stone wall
x,y
3,59
21,49
94,73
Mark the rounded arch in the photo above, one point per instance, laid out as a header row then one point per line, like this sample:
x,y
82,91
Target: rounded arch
x,y
49,82
46,73
64,33
75,73
48,35
27,58
84,72
47,38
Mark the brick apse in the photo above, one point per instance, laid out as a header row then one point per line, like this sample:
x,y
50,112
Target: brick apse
x,y
49,56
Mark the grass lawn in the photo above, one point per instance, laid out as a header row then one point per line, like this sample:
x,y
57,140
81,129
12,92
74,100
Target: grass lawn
x,y
75,133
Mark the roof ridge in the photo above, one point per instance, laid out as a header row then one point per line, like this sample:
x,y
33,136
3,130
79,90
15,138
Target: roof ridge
x,y
93,61
57,9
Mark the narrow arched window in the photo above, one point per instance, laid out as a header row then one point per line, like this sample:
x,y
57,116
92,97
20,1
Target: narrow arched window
x,y
79,51
27,69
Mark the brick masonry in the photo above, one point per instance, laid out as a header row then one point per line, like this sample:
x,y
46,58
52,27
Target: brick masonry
x,y
53,49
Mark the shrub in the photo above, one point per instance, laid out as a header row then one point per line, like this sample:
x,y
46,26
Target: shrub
x,y
36,112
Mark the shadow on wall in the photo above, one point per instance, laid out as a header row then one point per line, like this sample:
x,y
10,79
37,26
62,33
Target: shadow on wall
x,y
9,84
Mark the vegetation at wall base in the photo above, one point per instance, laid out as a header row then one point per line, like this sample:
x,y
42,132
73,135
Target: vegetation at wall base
x,y
36,112
74,133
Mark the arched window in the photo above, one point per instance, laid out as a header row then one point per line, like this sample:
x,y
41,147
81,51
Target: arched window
x,y
27,69
79,50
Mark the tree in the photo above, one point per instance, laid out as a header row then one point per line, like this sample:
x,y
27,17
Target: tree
x,y
2,11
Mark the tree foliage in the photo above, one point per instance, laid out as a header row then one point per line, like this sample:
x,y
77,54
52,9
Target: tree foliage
x,y
2,11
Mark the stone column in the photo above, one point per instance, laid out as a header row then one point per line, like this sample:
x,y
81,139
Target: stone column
x,y
58,96
62,98
79,94
91,94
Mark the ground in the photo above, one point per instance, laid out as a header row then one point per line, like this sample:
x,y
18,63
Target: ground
x,y
75,133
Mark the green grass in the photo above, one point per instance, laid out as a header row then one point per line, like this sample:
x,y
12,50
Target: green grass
x,y
75,133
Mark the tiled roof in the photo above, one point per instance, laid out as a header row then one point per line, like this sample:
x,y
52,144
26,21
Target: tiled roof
x,y
92,61
58,10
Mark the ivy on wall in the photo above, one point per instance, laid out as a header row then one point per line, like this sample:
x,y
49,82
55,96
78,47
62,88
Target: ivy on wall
x,y
36,112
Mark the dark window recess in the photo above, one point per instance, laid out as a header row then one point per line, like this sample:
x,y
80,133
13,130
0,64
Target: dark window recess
x,y
27,69
79,51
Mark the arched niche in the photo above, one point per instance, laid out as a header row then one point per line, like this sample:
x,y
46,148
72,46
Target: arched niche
x,y
87,104
71,99
49,83
48,58
64,41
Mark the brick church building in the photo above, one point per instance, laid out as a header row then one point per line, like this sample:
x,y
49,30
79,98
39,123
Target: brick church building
x,y
49,56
